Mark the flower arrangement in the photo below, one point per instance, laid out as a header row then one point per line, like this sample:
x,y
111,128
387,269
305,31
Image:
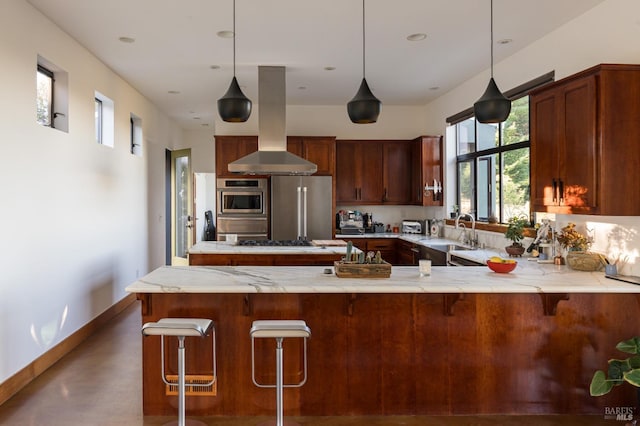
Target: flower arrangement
x,y
572,240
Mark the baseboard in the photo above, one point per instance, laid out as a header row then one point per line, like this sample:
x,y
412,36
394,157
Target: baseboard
x,y
22,378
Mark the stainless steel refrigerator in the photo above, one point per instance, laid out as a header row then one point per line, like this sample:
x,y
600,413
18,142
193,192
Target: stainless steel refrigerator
x,y
301,207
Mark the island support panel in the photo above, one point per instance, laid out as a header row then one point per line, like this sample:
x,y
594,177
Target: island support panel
x,y
399,354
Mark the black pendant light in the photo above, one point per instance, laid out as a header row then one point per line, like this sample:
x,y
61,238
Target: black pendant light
x,y
234,106
492,107
364,108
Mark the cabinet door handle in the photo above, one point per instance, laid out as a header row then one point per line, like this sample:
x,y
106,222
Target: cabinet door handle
x,y
356,191
359,193
384,196
561,195
555,189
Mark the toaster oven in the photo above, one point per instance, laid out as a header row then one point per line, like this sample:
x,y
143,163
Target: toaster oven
x,y
413,227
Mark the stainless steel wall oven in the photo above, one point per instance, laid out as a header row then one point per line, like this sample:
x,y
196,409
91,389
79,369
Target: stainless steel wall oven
x,y
243,208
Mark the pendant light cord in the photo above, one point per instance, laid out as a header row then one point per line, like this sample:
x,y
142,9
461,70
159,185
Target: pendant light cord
x,y
491,38
363,41
234,37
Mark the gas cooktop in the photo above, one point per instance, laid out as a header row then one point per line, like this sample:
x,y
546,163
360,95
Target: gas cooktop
x,y
276,243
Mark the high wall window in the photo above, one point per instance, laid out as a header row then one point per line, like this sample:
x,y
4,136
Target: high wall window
x,y
98,118
104,120
52,97
44,96
136,134
493,160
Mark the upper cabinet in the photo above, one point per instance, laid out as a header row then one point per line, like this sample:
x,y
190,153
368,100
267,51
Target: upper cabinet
x,y
320,150
427,158
391,172
396,172
231,148
584,133
359,172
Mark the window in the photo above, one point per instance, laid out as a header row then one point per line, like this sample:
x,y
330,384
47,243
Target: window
x,y
52,98
136,134
493,160
44,96
104,120
98,118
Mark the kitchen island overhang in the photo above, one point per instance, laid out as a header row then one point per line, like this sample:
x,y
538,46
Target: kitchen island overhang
x,y
526,342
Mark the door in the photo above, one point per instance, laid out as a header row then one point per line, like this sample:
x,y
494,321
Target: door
x,y
182,222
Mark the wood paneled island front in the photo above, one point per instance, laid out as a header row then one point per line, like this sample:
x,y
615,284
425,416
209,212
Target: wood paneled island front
x,y
464,340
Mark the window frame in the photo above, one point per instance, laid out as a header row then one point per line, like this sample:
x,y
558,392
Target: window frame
x,y
99,120
48,73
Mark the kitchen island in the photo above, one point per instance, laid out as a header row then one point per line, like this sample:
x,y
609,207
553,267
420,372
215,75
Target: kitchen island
x,y
232,254
464,340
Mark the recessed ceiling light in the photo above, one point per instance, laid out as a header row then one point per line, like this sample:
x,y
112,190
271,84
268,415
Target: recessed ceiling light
x,y
434,88
215,67
302,87
225,34
204,124
196,118
329,68
504,41
416,37
173,92
127,39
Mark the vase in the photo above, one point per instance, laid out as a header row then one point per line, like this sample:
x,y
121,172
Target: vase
x,y
514,251
584,261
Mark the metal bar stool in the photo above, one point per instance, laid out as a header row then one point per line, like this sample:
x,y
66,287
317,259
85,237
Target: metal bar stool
x,y
279,330
181,328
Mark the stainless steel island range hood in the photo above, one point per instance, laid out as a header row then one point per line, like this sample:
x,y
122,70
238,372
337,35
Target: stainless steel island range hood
x,y
272,157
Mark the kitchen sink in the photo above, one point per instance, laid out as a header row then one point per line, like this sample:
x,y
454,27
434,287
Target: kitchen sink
x,y
447,247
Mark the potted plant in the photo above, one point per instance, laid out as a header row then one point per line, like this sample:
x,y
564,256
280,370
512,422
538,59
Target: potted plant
x,y
515,233
577,247
620,370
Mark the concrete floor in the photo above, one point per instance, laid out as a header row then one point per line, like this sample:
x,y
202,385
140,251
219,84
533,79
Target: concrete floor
x,y
99,384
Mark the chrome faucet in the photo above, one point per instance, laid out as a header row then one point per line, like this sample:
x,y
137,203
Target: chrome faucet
x,y
471,240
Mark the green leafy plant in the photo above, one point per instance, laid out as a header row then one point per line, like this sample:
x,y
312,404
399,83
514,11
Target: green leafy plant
x,y
515,229
620,370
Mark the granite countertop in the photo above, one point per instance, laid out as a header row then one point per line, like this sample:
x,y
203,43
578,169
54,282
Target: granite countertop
x,y
223,247
528,277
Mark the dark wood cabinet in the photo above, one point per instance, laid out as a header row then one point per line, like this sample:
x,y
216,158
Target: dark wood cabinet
x,y
564,159
373,172
396,172
320,150
584,133
231,148
359,172
386,246
408,253
427,170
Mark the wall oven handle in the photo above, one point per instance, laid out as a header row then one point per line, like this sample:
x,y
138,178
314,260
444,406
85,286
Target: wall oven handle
x,y
246,217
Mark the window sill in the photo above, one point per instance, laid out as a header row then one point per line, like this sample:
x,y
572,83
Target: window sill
x,y
491,227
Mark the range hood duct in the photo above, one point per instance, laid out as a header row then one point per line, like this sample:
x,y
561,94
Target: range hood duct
x,y
272,157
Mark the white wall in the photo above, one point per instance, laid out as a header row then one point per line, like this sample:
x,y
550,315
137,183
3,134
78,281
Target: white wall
x,y
74,222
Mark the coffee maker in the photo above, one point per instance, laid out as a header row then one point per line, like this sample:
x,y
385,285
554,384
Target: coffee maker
x,y
367,222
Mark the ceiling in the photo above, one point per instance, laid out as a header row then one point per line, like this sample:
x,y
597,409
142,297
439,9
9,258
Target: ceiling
x,y
176,44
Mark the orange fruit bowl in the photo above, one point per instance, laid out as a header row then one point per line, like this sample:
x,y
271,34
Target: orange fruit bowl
x,y
502,268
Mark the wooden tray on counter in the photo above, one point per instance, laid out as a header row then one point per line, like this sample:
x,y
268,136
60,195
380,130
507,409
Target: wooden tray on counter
x,y
362,270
